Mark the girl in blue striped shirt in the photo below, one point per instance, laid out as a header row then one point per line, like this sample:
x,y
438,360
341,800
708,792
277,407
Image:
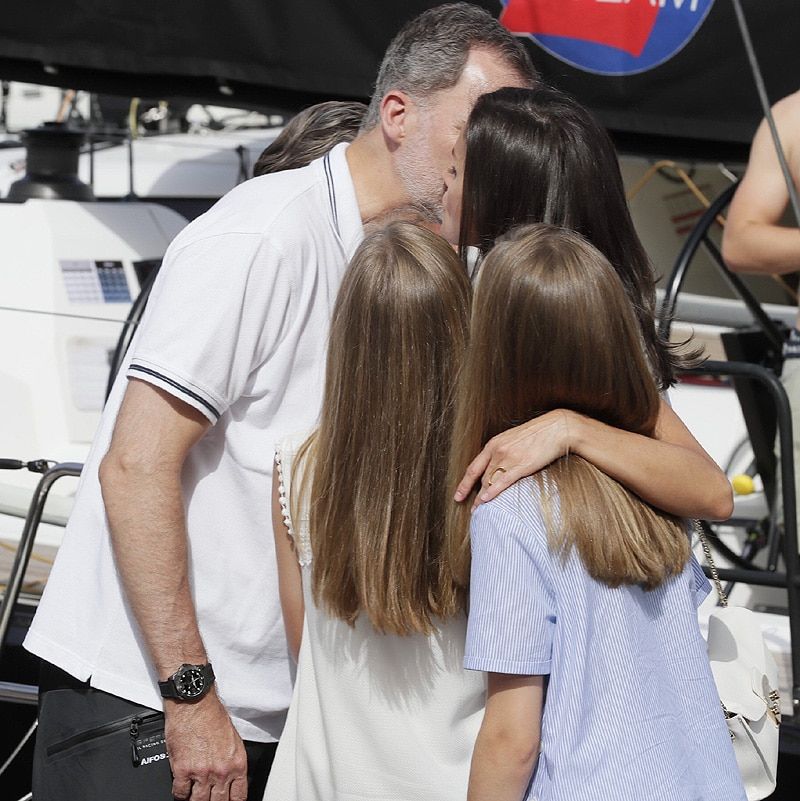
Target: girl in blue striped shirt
x,y
582,596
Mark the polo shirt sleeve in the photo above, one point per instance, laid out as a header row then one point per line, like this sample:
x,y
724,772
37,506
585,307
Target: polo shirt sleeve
x,y
216,312
512,610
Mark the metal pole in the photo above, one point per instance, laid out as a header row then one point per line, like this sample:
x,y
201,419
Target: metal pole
x,y
131,193
91,160
790,544
4,85
23,554
13,693
678,275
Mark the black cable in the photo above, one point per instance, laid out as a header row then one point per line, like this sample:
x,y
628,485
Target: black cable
x,y
128,329
723,550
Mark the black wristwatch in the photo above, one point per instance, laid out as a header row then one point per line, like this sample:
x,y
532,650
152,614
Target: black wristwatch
x,y
188,682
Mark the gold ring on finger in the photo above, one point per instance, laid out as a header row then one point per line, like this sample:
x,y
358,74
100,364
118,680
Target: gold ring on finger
x,y
494,473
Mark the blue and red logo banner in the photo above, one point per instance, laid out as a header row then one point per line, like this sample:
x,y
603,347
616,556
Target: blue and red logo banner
x,y
608,37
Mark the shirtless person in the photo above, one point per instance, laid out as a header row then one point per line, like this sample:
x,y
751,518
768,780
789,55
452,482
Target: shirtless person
x,y
754,241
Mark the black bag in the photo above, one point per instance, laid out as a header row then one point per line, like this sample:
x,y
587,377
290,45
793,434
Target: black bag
x,y
94,746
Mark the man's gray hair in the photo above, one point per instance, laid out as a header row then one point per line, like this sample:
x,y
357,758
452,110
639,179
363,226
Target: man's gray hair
x,y
430,51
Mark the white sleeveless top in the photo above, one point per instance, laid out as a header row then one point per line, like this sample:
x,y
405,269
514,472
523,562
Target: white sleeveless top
x,y
374,717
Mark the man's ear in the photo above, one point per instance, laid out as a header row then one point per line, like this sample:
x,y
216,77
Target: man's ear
x,y
397,109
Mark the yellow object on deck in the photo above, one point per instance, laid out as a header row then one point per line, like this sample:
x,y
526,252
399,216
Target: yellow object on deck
x,y
742,484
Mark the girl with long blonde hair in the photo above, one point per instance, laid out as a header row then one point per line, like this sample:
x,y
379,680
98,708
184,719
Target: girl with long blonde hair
x,y
582,596
382,706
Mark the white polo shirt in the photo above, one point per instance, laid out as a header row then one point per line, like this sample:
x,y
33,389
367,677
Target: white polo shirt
x,y
236,326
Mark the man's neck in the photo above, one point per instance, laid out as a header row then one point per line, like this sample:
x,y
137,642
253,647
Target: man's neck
x,y
377,184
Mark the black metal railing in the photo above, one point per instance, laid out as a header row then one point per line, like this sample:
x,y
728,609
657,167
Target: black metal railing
x,y
10,691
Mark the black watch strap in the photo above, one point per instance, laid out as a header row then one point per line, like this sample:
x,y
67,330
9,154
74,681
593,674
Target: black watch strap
x,y
168,689
188,682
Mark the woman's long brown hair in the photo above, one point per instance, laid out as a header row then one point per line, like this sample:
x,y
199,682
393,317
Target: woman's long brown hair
x,y
538,156
379,457
552,327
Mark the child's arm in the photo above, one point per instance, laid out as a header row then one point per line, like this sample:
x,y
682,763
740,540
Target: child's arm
x,y
508,743
290,581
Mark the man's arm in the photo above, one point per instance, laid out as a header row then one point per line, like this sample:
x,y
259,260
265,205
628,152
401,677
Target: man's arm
x,y
140,477
670,471
753,241
508,743
290,581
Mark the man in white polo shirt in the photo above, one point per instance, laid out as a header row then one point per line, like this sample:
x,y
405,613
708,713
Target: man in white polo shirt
x,y
167,565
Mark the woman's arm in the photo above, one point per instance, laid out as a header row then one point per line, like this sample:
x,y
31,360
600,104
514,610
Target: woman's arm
x,y
670,471
290,580
508,742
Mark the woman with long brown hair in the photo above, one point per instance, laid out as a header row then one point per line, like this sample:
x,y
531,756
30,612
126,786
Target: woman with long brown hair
x,y
536,155
382,707
598,682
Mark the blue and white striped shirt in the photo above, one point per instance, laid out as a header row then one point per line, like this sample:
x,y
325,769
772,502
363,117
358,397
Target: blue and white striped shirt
x,y
631,712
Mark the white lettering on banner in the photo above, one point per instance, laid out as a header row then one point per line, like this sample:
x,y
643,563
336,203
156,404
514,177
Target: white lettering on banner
x,y
678,4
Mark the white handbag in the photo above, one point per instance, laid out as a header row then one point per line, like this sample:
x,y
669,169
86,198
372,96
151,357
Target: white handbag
x,y
746,676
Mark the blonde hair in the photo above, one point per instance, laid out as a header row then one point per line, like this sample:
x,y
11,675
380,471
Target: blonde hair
x,y
379,458
552,327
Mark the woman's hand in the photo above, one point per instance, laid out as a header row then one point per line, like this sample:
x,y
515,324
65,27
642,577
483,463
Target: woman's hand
x,y
670,470
516,453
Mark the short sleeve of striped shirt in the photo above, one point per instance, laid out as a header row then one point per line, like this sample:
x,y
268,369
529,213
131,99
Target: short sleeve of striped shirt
x,y
702,586
512,609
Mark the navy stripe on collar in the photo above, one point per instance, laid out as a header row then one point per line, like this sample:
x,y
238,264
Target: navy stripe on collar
x,y
331,191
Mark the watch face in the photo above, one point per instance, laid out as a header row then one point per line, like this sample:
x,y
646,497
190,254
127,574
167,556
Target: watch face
x,y
190,682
